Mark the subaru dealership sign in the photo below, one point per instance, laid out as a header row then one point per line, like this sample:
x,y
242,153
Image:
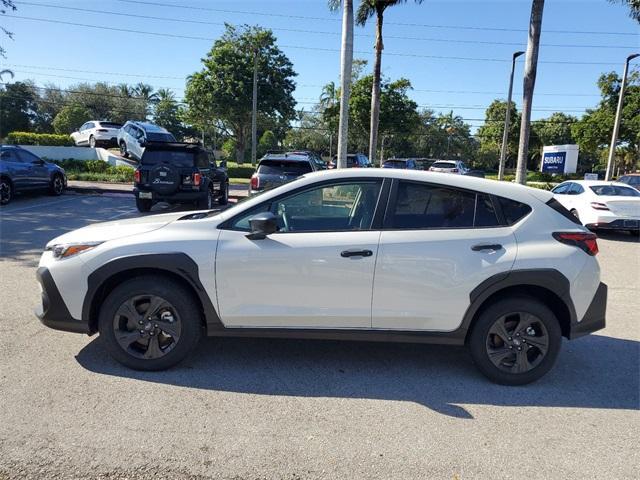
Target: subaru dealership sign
x,y
559,159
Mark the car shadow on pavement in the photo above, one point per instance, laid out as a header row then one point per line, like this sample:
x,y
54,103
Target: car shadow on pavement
x,y
618,236
592,372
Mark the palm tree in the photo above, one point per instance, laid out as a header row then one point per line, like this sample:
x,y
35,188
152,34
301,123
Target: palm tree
x,y
346,61
530,69
146,95
329,95
366,10
165,94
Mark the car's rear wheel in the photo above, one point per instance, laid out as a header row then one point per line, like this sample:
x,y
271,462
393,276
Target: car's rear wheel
x,y
224,195
206,203
57,185
6,191
123,150
92,142
150,323
515,341
143,204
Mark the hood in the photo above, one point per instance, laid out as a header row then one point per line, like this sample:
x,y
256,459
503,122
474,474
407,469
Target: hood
x,y
102,232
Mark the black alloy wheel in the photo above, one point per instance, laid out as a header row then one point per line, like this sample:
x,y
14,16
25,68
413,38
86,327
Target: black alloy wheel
x,y
147,326
57,185
6,192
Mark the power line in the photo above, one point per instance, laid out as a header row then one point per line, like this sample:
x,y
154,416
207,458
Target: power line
x,y
294,30
300,47
335,19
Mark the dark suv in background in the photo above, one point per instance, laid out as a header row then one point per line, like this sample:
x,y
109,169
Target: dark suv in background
x,y
21,170
277,169
354,160
179,173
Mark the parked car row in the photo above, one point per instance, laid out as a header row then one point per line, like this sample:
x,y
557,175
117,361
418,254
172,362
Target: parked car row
x,y
21,170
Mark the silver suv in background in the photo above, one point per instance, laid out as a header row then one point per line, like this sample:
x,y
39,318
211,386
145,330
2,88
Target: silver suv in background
x,y
277,169
449,166
133,136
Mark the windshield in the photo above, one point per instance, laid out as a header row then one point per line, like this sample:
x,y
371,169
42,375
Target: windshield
x,y
614,191
394,164
283,167
160,137
178,158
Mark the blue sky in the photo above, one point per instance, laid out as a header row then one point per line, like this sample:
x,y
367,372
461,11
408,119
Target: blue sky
x,y
310,35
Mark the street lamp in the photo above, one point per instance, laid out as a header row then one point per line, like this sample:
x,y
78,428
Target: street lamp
x,y
505,134
616,123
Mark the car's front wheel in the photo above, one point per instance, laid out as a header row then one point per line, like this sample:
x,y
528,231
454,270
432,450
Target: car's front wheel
x,y
57,185
123,150
150,323
515,341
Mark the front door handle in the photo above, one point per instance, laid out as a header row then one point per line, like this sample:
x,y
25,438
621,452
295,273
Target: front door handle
x,y
492,246
356,253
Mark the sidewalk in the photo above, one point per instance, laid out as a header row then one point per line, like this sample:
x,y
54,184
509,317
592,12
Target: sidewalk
x,y
235,190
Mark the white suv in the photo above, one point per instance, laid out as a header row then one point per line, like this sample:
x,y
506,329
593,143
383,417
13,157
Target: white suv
x,y
449,166
95,133
357,254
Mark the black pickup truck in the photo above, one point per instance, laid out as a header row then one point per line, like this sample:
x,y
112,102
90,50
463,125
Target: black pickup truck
x,y
179,173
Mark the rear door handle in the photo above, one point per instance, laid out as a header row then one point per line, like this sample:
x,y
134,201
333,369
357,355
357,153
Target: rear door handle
x,y
356,253
492,246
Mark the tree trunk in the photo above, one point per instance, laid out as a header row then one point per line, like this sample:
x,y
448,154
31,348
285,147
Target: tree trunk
x,y
531,66
375,89
240,145
346,60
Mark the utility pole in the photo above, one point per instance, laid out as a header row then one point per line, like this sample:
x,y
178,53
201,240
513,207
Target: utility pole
x,y
254,110
530,70
505,134
616,123
330,144
346,61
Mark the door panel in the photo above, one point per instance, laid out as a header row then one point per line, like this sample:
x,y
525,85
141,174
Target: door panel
x,y
295,280
423,278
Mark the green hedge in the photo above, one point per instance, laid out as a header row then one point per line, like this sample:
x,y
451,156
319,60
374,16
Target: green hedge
x,y
44,139
239,171
95,171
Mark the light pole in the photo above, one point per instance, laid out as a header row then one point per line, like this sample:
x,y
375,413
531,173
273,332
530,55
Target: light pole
x,y
505,134
254,109
616,123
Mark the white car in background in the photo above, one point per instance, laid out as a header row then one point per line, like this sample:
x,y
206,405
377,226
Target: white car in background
x,y
601,205
449,166
96,133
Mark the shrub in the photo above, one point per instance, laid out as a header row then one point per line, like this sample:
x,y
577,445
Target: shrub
x,y
70,118
46,139
238,171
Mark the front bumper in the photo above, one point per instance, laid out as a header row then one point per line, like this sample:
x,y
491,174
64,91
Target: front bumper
x,y
594,318
53,312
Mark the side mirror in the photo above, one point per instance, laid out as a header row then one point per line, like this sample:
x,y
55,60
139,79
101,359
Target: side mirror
x,y
262,224
223,164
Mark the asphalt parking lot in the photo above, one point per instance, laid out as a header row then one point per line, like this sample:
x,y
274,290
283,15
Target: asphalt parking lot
x,y
276,409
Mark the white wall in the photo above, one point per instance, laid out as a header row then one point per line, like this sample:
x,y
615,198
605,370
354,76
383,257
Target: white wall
x,y
79,153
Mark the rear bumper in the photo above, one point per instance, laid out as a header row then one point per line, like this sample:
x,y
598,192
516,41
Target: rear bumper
x,y
594,318
618,224
53,312
180,196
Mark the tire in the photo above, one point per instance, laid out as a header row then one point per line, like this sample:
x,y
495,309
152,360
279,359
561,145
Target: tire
x,y
57,185
6,191
123,150
168,336
206,202
525,355
143,204
92,142
224,197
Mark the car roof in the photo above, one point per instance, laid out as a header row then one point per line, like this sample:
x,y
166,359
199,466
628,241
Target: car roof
x,y
593,183
149,127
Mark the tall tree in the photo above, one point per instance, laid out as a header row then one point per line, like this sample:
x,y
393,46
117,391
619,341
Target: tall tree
x,y
366,10
530,70
491,133
167,112
634,7
223,88
146,98
18,107
346,72
6,5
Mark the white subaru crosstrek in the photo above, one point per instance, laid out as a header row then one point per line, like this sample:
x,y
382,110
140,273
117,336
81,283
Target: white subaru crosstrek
x,y
355,254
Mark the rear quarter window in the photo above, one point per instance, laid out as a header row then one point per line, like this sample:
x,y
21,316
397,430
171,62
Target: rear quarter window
x,y
559,208
513,211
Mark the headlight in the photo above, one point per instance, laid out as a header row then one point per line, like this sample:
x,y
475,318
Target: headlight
x,y
70,249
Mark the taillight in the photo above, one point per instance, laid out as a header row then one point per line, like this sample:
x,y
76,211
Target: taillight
x,y
255,182
584,241
599,206
136,176
197,178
